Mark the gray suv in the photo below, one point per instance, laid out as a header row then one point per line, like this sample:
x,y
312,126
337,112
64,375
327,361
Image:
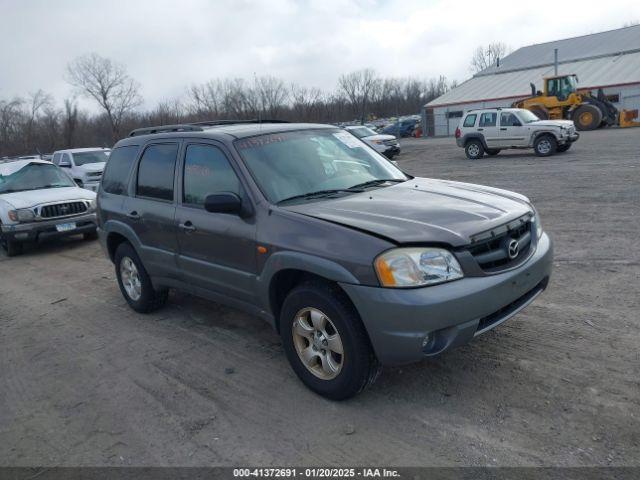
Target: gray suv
x,y
355,263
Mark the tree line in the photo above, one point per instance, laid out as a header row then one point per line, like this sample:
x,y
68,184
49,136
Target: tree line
x,y
36,123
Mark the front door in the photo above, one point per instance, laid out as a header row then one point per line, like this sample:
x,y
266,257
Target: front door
x,y
488,127
217,251
512,133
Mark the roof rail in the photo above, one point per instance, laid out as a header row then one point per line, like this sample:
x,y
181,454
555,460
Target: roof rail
x,y
213,123
164,129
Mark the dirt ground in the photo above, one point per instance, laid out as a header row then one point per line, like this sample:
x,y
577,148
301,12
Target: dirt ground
x,y
86,381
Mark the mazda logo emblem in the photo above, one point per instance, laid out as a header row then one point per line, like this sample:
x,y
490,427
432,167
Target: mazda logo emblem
x,y
513,249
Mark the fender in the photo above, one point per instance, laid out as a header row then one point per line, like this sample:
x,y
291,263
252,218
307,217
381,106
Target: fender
x,y
299,261
114,226
537,133
471,135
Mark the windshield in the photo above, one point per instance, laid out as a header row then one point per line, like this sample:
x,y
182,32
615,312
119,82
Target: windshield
x,y
34,176
527,117
362,132
99,156
290,164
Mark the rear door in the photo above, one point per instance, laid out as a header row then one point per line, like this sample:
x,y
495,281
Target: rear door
x,y
217,251
488,127
512,133
151,210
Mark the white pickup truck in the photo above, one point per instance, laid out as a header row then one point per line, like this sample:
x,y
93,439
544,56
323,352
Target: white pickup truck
x,y
84,165
39,200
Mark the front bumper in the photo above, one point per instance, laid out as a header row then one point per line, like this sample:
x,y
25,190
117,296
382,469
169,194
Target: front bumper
x,y
570,138
399,320
34,231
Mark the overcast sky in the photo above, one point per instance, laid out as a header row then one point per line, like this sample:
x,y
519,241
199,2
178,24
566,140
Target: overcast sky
x,y
168,45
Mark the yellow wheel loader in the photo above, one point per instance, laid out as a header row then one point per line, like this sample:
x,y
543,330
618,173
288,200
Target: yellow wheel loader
x,y
562,99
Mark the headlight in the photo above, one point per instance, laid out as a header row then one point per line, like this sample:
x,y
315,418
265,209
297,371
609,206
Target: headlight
x,y
378,142
22,215
92,205
415,267
536,222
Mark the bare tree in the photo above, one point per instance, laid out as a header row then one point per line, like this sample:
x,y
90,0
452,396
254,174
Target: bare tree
x,y
108,84
70,122
272,94
37,101
358,87
485,57
305,102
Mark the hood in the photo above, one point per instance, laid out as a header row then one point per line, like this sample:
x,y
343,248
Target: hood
x,y
553,123
32,198
92,167
421,210
380,136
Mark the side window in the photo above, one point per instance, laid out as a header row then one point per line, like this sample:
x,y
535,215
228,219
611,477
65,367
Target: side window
x,y
207,171
156,171
116,173
488,119
67,158
470,121
508,120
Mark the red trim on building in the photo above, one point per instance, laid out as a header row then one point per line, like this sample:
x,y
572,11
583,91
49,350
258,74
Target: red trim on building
x,y
526,95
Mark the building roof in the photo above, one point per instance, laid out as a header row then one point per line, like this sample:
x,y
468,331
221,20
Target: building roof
x,y
601,59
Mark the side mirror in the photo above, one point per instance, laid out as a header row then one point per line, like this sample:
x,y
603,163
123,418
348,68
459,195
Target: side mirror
x,y
225,202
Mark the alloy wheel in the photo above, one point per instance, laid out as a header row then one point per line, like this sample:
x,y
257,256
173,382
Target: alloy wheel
x,y
318,343
130,279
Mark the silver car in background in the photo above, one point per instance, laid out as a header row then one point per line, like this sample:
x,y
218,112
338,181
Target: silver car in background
x,y
387,145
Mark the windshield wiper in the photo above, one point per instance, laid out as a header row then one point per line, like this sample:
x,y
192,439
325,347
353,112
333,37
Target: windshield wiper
x,y
378,181
320,193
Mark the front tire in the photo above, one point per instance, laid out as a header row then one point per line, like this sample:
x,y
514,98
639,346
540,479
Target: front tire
x,y
11,247
545,145
326,342
135,283
93,235
474,149
587,117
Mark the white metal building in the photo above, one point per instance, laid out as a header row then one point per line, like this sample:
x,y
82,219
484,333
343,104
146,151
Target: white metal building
x,y
608,60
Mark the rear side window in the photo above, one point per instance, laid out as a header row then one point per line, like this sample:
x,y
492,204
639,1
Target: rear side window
x,y
488,119
156,171
116,173
207,171
56,158
470,121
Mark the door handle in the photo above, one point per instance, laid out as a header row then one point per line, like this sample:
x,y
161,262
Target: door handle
x,y
480,129
133,215
503,128
187,226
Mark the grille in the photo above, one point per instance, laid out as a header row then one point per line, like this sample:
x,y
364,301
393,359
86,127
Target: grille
x,y
492,254
63,209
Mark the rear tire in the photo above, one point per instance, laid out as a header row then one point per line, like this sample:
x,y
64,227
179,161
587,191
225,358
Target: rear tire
x,y
587,117
137,288
545,145
492,151
312,315
474,149
541,113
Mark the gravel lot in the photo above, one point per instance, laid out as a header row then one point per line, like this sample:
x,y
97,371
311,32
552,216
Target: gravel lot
x,y
86,381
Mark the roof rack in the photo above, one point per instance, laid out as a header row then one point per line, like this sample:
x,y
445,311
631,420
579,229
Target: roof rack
x,y
213,123
164,129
